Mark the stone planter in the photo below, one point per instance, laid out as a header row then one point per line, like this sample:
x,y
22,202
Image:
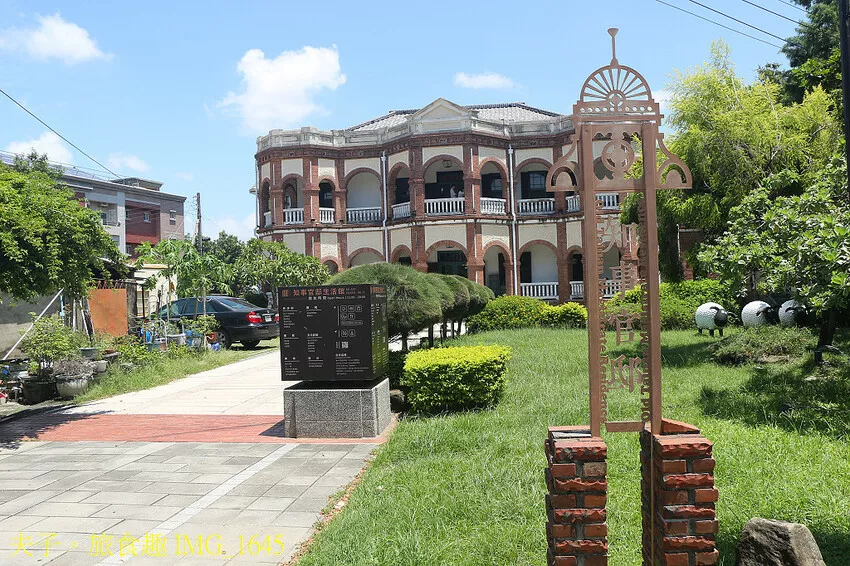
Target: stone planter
x,y
37,391
100,366
71,385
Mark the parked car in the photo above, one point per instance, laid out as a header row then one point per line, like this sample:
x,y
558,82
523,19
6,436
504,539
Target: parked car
x,y
239,320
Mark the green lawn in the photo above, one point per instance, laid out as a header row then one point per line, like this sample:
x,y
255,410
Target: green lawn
x,y
468,488
117,381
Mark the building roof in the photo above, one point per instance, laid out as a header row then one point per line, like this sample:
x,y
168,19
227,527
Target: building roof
x,y
507,112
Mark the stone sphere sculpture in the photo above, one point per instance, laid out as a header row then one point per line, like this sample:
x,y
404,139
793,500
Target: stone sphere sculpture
x,y
756,313
792,313
711,317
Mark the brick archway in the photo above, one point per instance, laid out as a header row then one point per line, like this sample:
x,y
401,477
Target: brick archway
x,y
400,251
392,176
334,261
441,157
532,161
447,243
498,164
544,243
357,171
360,251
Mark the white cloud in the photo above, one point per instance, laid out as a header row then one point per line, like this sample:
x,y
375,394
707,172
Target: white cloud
x,y
48,143
279,92
54,38
126,161
662,97
185,176
243,229
483,80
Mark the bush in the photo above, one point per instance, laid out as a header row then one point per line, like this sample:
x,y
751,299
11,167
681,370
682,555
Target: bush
x,y
455,379
678,302
49,339
509,311
568,315
395,367
763,344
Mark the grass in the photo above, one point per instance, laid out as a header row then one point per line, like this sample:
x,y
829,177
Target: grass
x,y
117,381
468,489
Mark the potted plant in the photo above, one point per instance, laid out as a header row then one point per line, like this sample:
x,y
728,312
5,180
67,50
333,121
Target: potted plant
x,y
47,340
199,329
72,377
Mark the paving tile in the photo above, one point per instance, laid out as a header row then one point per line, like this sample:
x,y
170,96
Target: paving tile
x,y
134,527
286,491
57,509
256,518
246,490
320,491
106,485
139,512
339,481
179,488
74,480
117,475
73,497
123,497
233,502
215,516
182,477
212,478
177,500
85,525
26,501
296,519
271,503
143,466
308,504
18,522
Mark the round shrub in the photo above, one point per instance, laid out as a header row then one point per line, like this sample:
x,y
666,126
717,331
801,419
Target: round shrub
x,y
568,315
455,379
508,312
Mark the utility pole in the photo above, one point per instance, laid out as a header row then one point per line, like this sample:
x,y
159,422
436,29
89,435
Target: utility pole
x,y
198,231
844,34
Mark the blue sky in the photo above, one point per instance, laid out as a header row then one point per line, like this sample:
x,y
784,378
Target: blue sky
x,y
178,91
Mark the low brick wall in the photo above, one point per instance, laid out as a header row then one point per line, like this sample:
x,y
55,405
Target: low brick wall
x,y
685,522
577,481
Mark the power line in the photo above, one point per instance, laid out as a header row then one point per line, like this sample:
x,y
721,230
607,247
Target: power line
x,y
719,24
783,16
793,6
739,21
46,125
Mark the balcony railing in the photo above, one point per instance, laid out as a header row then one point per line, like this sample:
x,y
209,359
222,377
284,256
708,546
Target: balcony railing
x,y
267,219
109,218
610,201
537,206
439,206
548,290
293,216
576,290
573,203
401,210
492,205
326,215
364,215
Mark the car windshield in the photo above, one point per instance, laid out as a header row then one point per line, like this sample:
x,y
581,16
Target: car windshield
x,y
237,304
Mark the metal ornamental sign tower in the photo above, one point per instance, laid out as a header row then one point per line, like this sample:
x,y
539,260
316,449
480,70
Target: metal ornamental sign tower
x,y
617,148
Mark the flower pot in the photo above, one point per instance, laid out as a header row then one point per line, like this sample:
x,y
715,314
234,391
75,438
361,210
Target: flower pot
x,y
37,391
88,353
111,357
71,385
100,366
176,339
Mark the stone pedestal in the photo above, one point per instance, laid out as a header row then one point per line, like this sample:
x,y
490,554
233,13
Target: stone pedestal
x,y
578,485
337,409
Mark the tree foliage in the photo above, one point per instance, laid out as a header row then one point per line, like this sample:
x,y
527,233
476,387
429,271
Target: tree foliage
x,y
226,247
269,265
734,136
47,240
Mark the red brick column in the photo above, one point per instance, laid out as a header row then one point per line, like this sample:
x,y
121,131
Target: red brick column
x,y
578,485
685,522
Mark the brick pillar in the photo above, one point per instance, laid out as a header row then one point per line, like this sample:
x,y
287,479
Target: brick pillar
x,y
685,523
577,482
417,198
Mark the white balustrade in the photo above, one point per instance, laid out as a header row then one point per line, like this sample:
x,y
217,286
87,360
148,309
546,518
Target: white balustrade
x,y
364,215
548,290
293,216
492,205
537,206
611,288
267,219
438,206
576,290
573,203
326,215
401,210
609,200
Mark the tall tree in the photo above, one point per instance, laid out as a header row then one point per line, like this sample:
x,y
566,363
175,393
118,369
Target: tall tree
x,y
48,241
734,136
269,265
226,247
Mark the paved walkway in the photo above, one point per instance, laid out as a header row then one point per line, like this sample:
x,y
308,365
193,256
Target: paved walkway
x,y
138,478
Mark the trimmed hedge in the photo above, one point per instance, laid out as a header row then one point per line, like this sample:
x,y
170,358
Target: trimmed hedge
x,y
508,312
455,379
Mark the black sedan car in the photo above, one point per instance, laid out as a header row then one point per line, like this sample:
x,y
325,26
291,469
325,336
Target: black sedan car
x,y
239,320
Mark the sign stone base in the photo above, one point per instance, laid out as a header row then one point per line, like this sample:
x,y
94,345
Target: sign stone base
x,y
337,409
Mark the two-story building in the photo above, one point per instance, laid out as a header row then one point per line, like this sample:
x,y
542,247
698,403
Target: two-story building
x,y
446,188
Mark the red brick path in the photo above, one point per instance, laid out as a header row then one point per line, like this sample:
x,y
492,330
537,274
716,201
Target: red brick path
x,y
156,428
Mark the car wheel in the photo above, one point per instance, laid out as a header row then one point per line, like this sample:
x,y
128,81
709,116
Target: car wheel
x,y
250,344
224,339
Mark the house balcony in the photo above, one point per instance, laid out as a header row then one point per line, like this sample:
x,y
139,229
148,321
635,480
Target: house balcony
x,y
610,201
545,291
609,289
401,210
267,220
536,206
443,206
326,215
492,205
364,215
293,216
576,290
573,203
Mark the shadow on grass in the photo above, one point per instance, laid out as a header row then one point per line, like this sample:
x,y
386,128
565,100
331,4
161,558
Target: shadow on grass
x,y
799,397
677,355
